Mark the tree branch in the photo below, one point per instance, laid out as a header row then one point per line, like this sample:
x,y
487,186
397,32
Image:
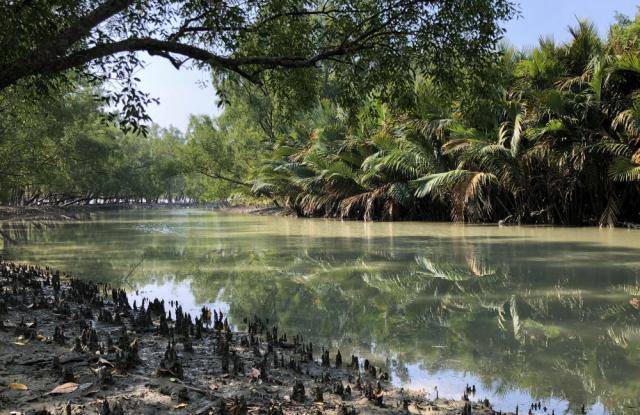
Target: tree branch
x,y
221,177
163,47
85,24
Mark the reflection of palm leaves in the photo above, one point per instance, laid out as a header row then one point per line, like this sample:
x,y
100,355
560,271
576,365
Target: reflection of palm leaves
x,y
405,288
515,318
621,338
502,318
615,312
477,266
447,272
579,373
631,289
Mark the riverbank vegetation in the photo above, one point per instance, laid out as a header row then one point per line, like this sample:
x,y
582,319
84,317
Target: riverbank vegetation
x,y
548,135
69,70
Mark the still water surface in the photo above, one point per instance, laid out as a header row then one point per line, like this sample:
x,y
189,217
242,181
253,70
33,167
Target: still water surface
x,y
524,313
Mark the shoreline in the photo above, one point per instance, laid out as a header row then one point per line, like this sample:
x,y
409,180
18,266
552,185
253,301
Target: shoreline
x,y
14,213
72,346
35,213
258,210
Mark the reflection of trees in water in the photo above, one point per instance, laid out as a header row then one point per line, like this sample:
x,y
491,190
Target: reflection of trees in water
x,y
493,309
551,340
493,324
15,232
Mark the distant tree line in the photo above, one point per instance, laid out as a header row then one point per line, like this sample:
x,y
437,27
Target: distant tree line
x,y
61,150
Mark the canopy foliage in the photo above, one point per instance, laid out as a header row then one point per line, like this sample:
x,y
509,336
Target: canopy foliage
x,y
369,41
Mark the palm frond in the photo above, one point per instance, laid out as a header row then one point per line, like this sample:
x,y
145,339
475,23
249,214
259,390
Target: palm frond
x,y
623,170
437,184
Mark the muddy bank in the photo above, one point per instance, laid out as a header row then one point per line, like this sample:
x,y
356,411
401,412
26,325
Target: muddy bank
x,y
12,213
269,210
35,213
40,213
73,347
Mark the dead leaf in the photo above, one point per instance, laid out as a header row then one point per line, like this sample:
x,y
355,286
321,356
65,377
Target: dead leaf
x,y
181,405
21,341
64,388
255,373
105,362
41,337
18,386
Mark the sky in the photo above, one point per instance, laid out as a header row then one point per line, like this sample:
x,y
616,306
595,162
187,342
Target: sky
x,y
187,92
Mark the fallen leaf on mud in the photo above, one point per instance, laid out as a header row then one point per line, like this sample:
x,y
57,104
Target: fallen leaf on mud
x,y
213,386
104,362
181,405
18,386
41,337
172,379
64,388
255,374
21,341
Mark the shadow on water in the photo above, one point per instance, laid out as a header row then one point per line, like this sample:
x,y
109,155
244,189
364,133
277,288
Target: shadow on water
x,y
527,313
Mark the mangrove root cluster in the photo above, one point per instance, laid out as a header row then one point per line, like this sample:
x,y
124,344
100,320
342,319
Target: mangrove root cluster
x,y
69,346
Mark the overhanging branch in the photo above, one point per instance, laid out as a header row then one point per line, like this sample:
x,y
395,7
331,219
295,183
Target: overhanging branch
x,y
164,48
